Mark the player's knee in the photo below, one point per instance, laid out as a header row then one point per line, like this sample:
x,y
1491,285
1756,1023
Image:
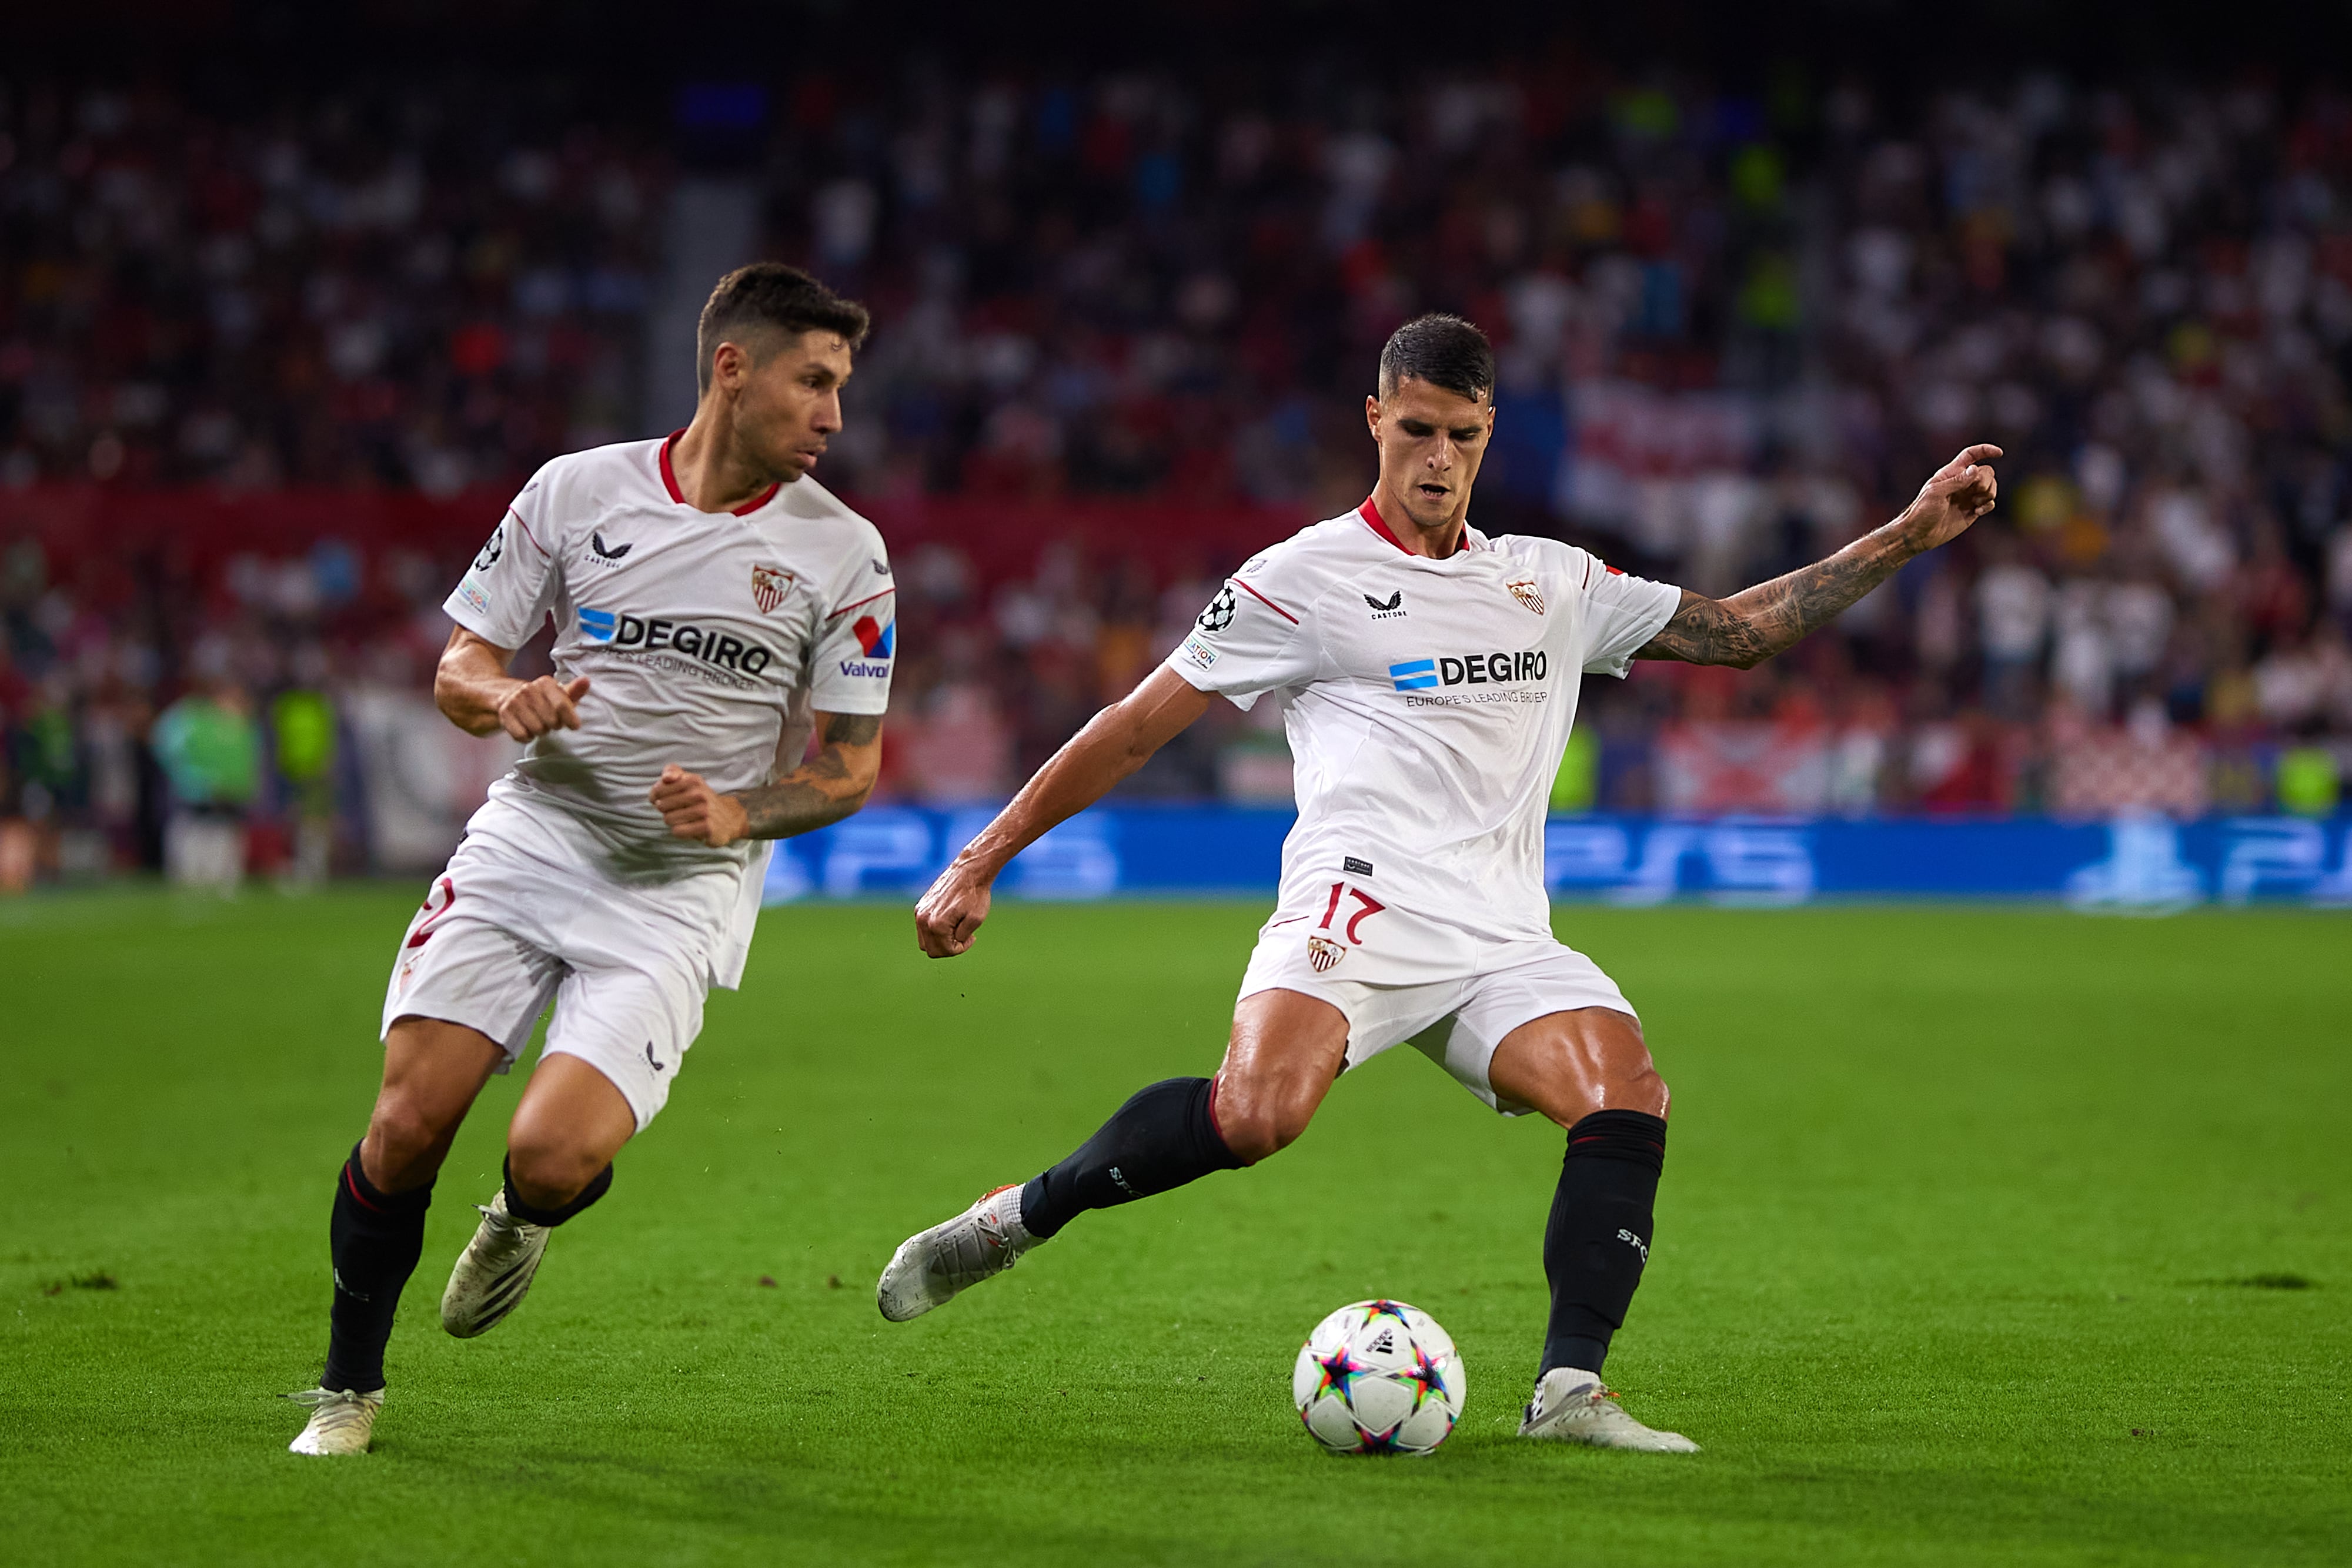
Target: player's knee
x,y
404,1143
1640,1089
1261,1125
547,1170
1568,1099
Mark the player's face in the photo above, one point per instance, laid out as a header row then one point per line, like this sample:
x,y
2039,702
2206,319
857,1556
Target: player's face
x,y
1432,442
788,404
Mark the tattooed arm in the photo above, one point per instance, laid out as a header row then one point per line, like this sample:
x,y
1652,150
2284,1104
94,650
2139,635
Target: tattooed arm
x,y
1752,625
824,789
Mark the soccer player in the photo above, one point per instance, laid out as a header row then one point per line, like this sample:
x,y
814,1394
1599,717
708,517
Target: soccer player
x,y
714,606
1427,675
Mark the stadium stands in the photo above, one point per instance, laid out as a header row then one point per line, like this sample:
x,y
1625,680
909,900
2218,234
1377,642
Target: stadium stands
x,y
1734,331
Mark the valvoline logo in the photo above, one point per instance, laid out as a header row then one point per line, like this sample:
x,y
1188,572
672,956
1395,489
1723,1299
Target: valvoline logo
x,y
879,642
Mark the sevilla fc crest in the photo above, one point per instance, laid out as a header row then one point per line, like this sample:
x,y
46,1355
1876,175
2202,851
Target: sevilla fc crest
x,y
1322,953
769,584
1524,590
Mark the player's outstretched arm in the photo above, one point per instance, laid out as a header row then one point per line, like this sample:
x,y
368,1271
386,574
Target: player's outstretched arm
x,y
825,788
471,686
1114,744
1752,625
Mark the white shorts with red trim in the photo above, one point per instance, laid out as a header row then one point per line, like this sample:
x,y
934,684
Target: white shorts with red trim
x,y
502,933
1399,979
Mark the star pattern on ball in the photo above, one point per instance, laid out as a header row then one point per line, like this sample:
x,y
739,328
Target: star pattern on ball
x,y
1427,1376
1354,1357
1339,1369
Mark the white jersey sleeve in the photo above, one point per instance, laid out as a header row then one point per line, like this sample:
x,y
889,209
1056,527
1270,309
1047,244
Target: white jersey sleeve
x,y
1257,635
855,648
1621,613
506,595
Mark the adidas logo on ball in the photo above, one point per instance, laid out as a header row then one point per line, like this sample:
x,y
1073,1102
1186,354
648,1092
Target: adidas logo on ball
x,y
1378,1377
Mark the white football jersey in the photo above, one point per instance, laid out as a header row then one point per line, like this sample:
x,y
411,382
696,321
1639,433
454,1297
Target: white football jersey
x,y
1427,704
707,638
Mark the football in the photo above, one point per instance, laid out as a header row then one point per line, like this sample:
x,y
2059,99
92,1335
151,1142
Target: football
x,y
1378,1377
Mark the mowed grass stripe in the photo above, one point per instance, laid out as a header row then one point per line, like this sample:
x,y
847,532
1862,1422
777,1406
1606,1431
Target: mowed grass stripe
x,y
1954,1208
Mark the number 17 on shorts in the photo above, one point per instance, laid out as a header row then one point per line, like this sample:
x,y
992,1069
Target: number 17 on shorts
x,y
1344,925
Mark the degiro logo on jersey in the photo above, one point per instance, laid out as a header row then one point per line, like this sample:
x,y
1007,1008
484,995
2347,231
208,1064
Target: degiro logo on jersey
x,y
878,641
1470,669
635,635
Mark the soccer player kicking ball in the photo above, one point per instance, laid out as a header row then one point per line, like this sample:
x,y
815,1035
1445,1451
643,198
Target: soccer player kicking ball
x,y
1427,675
713,607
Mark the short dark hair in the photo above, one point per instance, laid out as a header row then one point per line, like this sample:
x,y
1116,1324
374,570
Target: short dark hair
x,y
1443,351
784,299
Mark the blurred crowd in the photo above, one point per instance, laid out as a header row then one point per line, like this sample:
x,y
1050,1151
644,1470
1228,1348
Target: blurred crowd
x,y
1734,331
412,289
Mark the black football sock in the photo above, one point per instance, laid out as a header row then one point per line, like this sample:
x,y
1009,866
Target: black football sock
x,y
1598,1234
1163,1137
375,1239
598,1186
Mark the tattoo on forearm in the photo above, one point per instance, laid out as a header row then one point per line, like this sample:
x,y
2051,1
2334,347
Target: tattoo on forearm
x,y
819,791
1752,626
1706,632
791,806
852,728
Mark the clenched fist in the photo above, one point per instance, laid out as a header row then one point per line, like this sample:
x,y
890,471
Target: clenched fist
x,y
695,810
947,920
1955,496
541,707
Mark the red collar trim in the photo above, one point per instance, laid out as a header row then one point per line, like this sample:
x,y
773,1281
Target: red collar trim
x,y
669,475
1368,511
1371,516
669,482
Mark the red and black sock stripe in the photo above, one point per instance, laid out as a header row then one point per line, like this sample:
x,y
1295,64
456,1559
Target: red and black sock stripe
x,y
374,1238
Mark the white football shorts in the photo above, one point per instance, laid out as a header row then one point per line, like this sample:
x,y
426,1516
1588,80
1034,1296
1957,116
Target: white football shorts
x,y
1452,994
503,932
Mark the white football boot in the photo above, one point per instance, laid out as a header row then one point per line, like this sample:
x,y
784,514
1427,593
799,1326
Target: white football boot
x,y
1575,1406
494,1271
340,1423
931,1266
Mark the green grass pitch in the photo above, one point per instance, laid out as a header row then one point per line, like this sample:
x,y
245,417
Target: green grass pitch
x,y
1956,1259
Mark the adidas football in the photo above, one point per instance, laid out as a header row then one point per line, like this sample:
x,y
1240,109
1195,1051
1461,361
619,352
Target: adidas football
x,y
1378,1377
